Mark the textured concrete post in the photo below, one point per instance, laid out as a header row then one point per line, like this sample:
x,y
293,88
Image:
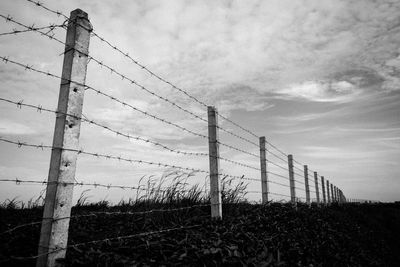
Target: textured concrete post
x,y
215,191
59,192
291,180
323,189
316,186
263,165
328,192
307,186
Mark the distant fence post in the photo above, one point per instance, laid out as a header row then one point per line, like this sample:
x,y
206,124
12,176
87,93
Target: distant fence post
x,y
332,194
291,180
263,165
327,192
215,191
323,189
336,194
59,191
316,186
306,184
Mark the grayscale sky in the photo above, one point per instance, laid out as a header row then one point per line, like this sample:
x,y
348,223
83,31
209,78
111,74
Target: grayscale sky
x,y
319,79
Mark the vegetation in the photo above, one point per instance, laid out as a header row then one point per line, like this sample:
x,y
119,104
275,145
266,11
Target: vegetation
x,y
249,234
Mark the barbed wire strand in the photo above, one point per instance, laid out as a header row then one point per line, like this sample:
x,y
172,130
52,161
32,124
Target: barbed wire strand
x,y
19,227
273,182
8,18
100,63
113,157
277,165
299,182
32,29
125,54
40,108
238,149
58,13
18,181
276,156
105,156
277,194
107,213
118,238
31,68
132,82
278,175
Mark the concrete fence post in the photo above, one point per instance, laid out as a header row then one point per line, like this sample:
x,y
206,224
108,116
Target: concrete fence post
x,y
328,195
323,190
291,180
59,192
336,194
316,186
307,186
263,167
213,145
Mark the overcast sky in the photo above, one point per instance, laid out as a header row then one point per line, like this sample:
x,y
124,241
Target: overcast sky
x,y
319,79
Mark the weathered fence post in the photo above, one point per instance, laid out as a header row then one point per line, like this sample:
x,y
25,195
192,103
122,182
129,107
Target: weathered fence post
x,y
291,180
306,184
215,191
327,192
59,191
323,189
342,196
316,186
263,165
336,194
332,194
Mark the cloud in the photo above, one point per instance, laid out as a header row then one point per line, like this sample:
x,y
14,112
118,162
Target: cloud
x,y
14,128
330,91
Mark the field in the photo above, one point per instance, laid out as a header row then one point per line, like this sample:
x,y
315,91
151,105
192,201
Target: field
x,y
249,235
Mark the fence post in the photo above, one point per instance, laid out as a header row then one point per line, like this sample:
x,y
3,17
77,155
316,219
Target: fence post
x,y
59,191
332,194
336,194
215,192
323,189
264,177
316,186
327,192
306,184
291,179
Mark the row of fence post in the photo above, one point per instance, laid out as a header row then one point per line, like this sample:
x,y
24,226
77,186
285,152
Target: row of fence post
x,y
59,191
330,193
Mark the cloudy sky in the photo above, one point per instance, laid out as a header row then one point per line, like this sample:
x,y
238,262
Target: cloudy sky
x,y
319,79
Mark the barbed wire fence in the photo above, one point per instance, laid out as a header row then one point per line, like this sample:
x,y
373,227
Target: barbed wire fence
x,y
278,172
